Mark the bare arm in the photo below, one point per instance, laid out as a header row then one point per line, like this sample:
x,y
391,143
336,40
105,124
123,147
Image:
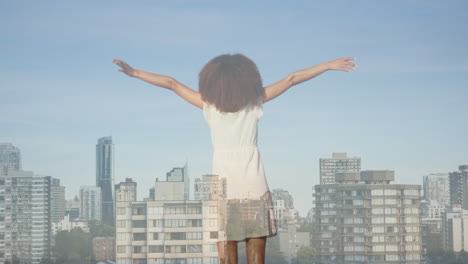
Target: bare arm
x,y
276,89
167,82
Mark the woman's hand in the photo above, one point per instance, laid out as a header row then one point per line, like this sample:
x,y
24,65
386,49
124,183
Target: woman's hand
x,y
125,68
342,64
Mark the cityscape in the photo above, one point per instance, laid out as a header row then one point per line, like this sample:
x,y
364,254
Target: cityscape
x,y
358,216
367,166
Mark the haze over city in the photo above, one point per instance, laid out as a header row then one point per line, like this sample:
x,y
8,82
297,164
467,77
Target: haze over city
x,y
403,108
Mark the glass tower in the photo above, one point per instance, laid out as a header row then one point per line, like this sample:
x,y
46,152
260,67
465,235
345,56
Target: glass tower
x,y
105,176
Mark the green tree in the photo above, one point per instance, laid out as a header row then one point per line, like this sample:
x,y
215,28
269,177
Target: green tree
x,y
77,245
305,255
72,246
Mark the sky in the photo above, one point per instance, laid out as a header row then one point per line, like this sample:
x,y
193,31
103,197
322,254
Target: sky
x,y
402,109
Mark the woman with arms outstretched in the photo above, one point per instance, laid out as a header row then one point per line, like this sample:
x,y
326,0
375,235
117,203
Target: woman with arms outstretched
x,y
231,96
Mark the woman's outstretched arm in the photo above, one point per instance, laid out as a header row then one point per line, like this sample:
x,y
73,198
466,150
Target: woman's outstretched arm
x,y
276,89
167,82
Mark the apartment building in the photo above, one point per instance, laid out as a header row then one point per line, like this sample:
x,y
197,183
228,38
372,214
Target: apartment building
x,y
364,218
161,232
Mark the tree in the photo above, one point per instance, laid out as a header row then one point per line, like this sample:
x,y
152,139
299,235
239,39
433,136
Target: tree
x,y
305,255
76,245
72,246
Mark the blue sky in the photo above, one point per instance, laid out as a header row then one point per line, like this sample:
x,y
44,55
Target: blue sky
x,y
403,108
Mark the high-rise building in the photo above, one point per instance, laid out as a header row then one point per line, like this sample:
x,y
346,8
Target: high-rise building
x,y
180,174
210,187
458,182
105,177
284,216
340,162
291,240
57,201
25,224
455,230
365,219
10,158
436,188
90,203
280,194
126,191
25,210
161,232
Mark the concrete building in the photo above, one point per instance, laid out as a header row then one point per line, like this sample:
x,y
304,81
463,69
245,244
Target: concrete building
x,y
458,182
340,162
290,241
455,230
67,225
285,217
169,191
364,218
72,208
126,191
432,213
90,203
280,194
10,158
210,187
180,174
57,201
158,232
25,211
104,248
105,177
436,188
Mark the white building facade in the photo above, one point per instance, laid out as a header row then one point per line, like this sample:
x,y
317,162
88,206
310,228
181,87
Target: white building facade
x,y
90,203
365,219
161,232
340,162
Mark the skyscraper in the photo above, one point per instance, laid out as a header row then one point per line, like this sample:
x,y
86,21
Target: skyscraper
x,y
25,222
90,203
338,163
10,158
105,176
280,194
57,201
458,182
436,188
25,204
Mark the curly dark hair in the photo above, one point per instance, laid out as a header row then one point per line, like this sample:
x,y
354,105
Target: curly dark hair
x,y
231,82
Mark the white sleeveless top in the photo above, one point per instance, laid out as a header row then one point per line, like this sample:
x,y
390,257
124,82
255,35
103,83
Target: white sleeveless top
x,y
235,153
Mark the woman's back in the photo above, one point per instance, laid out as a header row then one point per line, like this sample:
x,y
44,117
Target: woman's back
x,y
233,130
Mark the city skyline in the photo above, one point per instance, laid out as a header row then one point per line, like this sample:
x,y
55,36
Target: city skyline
x,y
400,109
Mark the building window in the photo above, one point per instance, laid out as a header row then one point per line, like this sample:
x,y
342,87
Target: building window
x,y
139,249
156,249
194,248
121,249
213,235
139,236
